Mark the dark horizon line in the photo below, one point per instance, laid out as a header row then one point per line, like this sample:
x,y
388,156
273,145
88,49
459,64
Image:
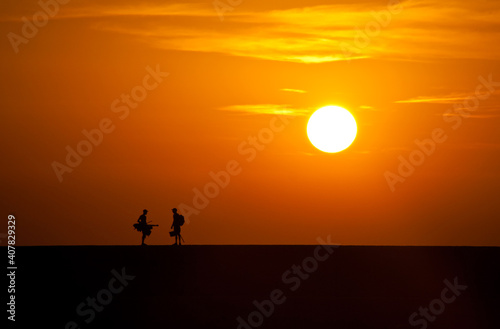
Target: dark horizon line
x,y
255,245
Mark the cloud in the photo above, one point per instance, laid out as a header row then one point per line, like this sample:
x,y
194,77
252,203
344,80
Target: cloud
x,y
421,31
448,99
473,116
442,99
329,33
294,90
275,109
99,10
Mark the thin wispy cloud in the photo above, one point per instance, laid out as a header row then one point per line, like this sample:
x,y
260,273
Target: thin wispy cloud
x,y
450,99
473,116
274,109
294,90
101,10
442,99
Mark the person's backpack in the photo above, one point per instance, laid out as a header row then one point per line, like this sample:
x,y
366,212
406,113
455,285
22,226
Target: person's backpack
x,y
180,220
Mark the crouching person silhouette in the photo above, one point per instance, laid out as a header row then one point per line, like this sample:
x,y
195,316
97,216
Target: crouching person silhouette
x,y
176,225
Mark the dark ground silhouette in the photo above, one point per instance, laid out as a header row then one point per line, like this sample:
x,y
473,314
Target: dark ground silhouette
x,y
211,286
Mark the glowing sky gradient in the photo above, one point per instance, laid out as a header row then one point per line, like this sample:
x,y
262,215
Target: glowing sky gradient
x,y
255,76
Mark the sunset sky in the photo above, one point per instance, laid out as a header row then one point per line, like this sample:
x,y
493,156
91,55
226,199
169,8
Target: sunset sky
x,y
184,89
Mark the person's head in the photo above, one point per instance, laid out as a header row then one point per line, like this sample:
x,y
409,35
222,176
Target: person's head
x,y
174,210
145,211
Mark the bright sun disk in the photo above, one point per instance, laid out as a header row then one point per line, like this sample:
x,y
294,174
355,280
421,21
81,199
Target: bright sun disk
x,y
332,129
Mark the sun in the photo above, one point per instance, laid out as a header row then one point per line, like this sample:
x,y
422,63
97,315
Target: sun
x,y
332,129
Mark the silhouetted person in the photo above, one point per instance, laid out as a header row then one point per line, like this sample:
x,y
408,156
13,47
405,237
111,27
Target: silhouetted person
x,y
142,226
176,225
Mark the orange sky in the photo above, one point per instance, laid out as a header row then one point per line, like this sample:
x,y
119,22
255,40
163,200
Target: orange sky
x,y
404,70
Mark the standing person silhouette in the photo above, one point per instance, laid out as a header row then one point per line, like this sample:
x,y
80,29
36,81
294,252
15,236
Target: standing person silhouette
x,y
176,225
143,226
